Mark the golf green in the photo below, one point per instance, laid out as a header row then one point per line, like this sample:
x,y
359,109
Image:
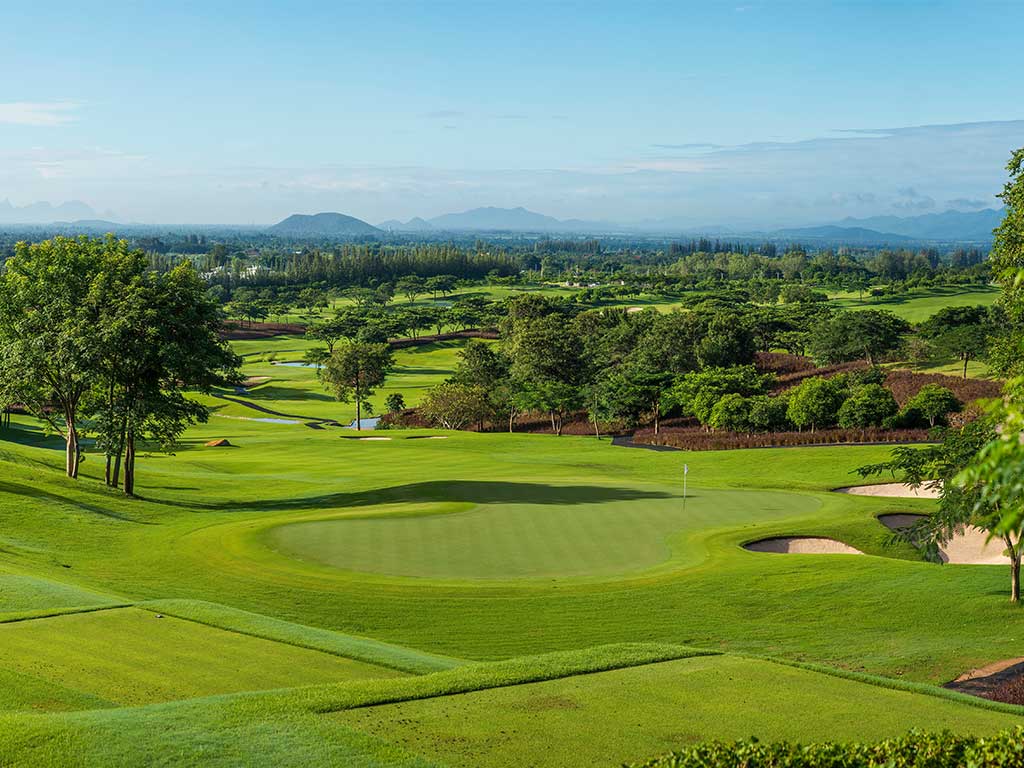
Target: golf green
x,y
582,531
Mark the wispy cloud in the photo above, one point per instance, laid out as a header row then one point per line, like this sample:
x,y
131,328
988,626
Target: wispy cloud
x,y
443,114
38,113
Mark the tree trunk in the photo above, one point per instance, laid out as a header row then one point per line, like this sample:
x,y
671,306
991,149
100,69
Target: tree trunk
x,y
359,410
106,470
511,421
129,463
71,456
657,419
597,429
1014,568
965,365
551,414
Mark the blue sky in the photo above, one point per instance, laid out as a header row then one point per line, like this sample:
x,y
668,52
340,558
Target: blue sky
x,y
746,113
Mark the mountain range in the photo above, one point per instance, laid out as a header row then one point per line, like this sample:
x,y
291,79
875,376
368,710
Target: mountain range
x,y
46,213
323,225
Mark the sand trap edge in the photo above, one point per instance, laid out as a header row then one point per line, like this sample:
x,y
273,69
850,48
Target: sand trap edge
x,y
801,545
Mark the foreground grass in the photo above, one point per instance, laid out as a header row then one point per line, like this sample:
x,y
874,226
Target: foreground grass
x,y
563,709
629,713
128,656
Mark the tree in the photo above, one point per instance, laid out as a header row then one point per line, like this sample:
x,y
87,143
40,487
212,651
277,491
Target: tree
x,y
410,286
727,342
933,402
960,332
394,403
1007,260
870,405
696,393
815,402
49,330
865,334
161,337
768,413
731,413
547,367
354,372
346,324
454,406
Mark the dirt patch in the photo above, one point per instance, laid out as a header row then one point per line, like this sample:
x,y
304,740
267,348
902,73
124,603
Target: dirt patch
x,y
255,381
801,545
219,443
998,681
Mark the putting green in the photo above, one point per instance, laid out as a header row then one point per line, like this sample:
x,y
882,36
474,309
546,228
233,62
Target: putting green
x,y
589,531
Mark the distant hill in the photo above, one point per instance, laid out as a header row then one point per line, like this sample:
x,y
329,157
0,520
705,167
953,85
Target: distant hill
x,y
44,212
948,225
415,224
518,219
89,225
861,235
322,225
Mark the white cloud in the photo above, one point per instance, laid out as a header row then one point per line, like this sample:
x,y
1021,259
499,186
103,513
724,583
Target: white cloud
x,y
38,113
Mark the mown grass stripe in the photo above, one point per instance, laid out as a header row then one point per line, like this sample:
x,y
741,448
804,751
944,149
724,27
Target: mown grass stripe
x,y
46,613
894,684
336,643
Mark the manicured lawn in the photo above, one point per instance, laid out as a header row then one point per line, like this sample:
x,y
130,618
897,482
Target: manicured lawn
x,y
920,304
129,656
528,530
628,714
298,557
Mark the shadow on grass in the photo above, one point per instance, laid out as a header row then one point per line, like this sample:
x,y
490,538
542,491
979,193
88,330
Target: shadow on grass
x,y
34,492
471,491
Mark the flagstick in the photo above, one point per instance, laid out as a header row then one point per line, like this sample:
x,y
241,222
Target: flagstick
x,y
686,471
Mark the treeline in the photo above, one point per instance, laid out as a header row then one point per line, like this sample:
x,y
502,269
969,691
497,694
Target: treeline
x,y
94,342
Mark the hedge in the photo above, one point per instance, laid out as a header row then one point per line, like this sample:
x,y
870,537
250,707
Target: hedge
x,y
916,749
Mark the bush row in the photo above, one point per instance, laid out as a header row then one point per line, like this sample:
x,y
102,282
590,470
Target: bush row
x,y
697,439
916,749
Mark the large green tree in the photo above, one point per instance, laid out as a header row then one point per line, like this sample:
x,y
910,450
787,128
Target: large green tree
x,y
50,335
354,372
865,334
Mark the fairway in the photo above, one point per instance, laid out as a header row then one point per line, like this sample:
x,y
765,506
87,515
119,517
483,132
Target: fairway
x,y
128,656
566,532
668,705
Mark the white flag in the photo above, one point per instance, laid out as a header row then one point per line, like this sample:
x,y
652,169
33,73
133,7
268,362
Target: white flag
x,y
686,469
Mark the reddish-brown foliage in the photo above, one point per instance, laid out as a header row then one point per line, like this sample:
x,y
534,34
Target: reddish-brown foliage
x,y
472,333
905,384
696,439
781,363
234,331
1010,692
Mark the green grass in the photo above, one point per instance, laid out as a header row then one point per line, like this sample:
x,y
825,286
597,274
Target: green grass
x,y
630,713
920,304
298,557
129,656
527,530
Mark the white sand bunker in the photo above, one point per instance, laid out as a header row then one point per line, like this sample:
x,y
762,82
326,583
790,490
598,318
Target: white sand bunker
x,y
802,545
969,545
892,490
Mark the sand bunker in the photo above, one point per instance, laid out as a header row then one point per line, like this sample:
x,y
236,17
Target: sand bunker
x,y
220,443
892,490
969,546
346,437
802,545
427,437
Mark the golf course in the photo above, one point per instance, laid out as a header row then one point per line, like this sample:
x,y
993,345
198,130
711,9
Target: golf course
x,y
304,595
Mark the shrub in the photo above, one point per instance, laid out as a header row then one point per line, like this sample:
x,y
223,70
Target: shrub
x,y
697,393
934,403
869,406
815,403
394,403
731,413
768,414
914,750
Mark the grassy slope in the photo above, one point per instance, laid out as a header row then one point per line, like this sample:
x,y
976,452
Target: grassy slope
x,y
629,713
920,304
128,656
472,715
200,534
